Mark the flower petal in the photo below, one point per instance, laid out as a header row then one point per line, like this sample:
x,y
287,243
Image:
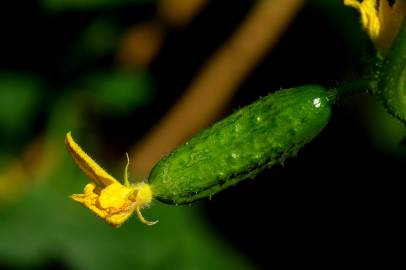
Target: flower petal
x,y
381,21
87,164
115,196
111,204
90,200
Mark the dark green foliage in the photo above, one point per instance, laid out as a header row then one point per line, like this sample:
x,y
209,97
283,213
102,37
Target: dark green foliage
x,y
391,86
67,5
119,91
257,136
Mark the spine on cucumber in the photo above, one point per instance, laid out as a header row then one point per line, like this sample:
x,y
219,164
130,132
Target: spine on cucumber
x,y
240,146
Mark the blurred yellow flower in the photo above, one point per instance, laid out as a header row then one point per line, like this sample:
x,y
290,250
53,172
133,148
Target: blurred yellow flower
x,y
380,20
107,197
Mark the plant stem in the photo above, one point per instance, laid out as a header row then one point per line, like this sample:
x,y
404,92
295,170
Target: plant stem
x,y
351,89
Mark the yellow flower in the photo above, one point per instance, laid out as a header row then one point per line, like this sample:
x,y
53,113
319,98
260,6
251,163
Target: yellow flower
x,y
381,21
107,197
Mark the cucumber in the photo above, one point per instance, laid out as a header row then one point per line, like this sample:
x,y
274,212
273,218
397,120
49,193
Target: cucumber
x,y
240,146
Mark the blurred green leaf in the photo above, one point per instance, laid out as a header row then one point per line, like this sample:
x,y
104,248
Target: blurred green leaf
x,y
20,96
62,5
98,39
119,92
47,225
385,131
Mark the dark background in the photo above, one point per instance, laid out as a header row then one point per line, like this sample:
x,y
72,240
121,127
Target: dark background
x,y
338,203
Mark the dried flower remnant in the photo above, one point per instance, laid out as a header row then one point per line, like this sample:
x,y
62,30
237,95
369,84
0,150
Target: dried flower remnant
x,y
105,196
380,20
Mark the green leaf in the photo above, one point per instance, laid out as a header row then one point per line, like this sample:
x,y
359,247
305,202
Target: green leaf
x,y
20,97
98,39
386,132
392,77
47,225
119,91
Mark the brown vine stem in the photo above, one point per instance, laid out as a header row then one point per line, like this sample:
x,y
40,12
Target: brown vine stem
x,y
216,82
179,13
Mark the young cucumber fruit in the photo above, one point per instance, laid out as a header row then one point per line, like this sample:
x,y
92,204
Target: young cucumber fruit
x,y
240,146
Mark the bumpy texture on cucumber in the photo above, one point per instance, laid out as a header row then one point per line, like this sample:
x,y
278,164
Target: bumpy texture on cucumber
x,y
238,147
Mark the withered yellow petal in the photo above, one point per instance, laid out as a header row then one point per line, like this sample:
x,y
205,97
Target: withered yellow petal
x,y
87,164
116,220
381,21
89,198
369,15
391,19
113,203
110,200
116,196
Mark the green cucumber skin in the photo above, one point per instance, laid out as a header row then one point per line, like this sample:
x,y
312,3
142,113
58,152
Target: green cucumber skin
x,y
240,146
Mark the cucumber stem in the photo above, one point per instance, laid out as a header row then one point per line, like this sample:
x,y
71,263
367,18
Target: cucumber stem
x,y
352,89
